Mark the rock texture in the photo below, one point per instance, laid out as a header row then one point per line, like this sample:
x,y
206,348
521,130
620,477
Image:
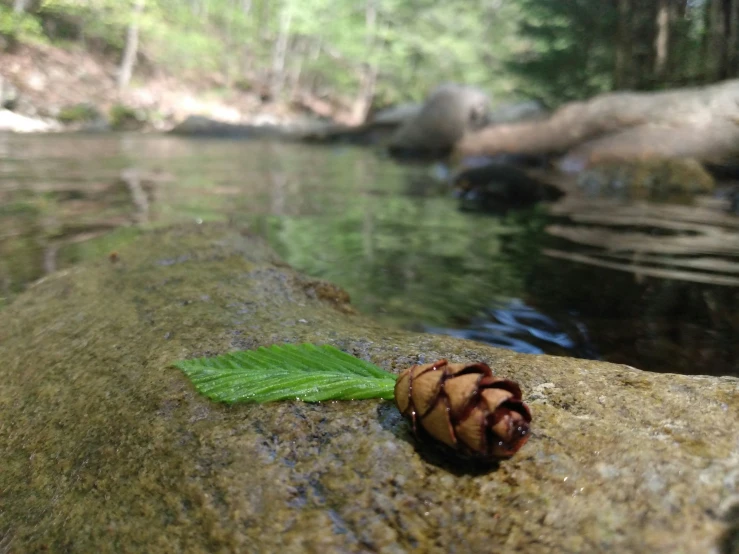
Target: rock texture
x,y
17,123
199,125
107,448
448,114
699,122
657,179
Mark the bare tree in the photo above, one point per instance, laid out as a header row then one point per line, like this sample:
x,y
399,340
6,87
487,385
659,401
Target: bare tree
x,y
279,53
131,49
370,69
662,38
623,45
20,6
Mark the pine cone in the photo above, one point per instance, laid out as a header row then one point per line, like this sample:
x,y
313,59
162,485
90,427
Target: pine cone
x,y
465,407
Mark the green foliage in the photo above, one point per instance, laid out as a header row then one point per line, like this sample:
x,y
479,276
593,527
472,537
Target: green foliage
x,y
19,26
78,113
102,20
329,44
576,49
288,372
388,248
549,49
126,118
98,248
569,51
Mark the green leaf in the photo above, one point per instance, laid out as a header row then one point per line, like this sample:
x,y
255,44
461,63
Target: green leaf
x,y
288,372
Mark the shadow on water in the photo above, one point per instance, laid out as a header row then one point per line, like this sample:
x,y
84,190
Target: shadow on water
x,y
655,287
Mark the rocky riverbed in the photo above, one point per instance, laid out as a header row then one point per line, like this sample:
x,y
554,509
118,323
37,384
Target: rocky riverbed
x,y
106,447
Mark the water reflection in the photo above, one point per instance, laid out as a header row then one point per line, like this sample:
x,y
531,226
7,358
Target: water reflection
x,y
611,286
519,327
699,244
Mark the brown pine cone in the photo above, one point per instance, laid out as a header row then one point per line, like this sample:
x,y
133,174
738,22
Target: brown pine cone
x,y
465,407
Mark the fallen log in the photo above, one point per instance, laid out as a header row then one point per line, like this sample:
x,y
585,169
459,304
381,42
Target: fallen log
x,y
694,122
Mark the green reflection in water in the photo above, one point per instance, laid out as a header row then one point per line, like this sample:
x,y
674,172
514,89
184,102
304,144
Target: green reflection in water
x,y
384,232
391,253
343,214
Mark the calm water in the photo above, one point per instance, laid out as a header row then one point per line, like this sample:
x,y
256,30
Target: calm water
x,y
656,287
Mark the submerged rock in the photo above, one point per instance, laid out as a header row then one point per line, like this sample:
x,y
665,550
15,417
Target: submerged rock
x,y
107,447
655,179
497,187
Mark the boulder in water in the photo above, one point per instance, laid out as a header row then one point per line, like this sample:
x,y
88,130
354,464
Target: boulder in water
x,y
447,115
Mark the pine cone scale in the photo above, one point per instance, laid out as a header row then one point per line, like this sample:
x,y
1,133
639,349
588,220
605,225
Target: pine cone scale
x,y
425,389
438,424
461,392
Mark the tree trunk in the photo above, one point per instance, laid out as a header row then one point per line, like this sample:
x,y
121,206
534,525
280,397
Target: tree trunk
x,y
662,38
131,49
298,57
228,57
20,6
247,50
363,101
199,8
280,51
263,47
368,80
313,55
734,39
622,71
730,54
715,44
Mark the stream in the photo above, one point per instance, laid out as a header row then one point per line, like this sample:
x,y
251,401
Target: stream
x,y
654,286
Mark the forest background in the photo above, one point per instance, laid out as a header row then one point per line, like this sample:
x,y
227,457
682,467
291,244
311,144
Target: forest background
x,y
354,56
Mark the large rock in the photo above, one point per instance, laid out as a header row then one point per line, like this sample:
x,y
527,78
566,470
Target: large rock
x,y
698,122
107,448
17,123
498,187
199,125
448,114
675,180
515,112
8,94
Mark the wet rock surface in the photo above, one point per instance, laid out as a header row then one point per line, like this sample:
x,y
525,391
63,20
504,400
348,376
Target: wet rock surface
x,y
105,447
656,179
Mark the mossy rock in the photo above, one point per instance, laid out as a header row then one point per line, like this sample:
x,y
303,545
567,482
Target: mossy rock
x,y
79,113
106,447
125,118
654,179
